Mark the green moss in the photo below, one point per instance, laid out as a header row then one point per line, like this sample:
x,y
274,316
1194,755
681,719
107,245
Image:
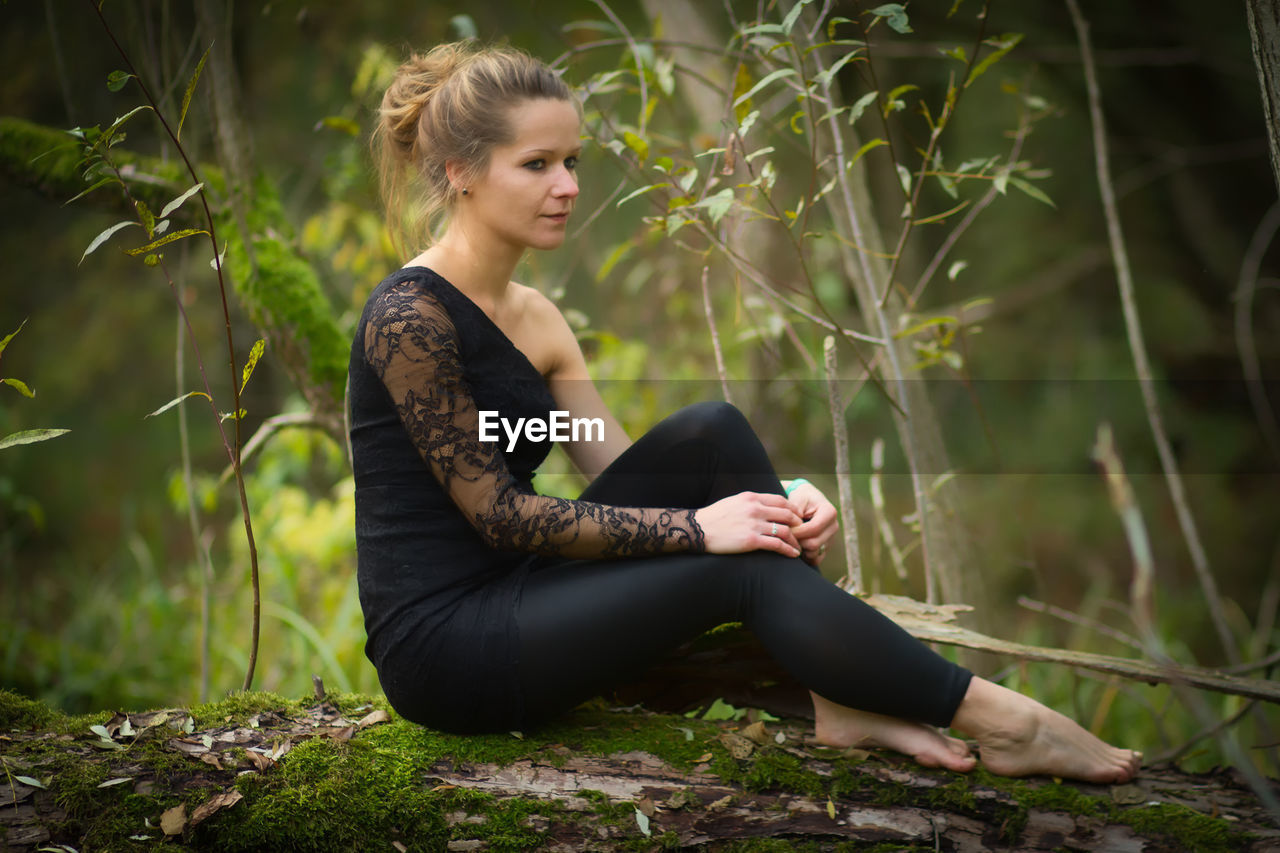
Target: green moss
x,y
19,712
236,708
1059,798
49,159
283,294
957,796
1190,829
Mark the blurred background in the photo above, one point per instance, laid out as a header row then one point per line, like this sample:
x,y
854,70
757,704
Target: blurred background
x,y
102,576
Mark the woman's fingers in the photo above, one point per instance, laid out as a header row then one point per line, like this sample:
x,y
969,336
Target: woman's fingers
x,y
783,542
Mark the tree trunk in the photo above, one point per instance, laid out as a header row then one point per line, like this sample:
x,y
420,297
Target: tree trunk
x,y
1264,29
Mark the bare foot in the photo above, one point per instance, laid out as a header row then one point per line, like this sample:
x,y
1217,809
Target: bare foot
x,y
839,726
1017,736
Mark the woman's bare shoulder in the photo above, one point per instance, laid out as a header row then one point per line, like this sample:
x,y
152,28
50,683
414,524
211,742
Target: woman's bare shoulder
x,y
536,307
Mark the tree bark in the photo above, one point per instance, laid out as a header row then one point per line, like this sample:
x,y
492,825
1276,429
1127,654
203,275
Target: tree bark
x,y
1264,30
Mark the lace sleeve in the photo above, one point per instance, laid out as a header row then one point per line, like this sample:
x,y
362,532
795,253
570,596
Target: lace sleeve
x,y
412,345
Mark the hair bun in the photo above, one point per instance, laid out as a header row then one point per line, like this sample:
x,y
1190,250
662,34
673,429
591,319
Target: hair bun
x,y
416,80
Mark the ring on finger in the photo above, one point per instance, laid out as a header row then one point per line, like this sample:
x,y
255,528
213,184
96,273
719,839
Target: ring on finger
x,y
822,549
773,531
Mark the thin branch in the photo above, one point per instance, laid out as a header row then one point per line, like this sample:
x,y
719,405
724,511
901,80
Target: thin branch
x,y
715,338
1155,57
635,53
936,624
1024,127
1124,278
844,475
881,513
874,312
1265,663
233,449
1207,732
927,158
268,429
1077,619
1142,586
1262,238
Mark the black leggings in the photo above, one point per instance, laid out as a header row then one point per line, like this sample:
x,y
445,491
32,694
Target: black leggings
x,y
585,624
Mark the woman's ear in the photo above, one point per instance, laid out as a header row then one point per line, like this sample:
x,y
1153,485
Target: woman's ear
x,y
454,172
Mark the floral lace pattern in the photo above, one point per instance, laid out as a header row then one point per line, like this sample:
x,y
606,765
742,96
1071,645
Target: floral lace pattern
x,y
412,345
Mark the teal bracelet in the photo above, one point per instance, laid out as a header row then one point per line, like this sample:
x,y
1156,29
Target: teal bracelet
x,y
795,484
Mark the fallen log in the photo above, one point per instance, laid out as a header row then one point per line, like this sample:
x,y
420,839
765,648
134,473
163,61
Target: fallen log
x,y
257,772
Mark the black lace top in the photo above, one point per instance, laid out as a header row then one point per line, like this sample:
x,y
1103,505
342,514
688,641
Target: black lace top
x,y
447,524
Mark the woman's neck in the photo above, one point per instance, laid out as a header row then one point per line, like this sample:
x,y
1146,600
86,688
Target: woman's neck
x,y
480,269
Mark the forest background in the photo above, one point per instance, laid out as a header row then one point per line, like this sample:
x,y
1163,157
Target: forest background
x,y
1020,337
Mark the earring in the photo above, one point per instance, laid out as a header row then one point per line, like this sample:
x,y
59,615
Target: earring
x,y
465,191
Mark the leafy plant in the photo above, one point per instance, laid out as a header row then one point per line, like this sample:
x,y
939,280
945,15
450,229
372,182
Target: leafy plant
x,y
28,436
101,170
804,112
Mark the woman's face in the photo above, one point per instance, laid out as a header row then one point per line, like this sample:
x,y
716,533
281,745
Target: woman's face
x,y
527,193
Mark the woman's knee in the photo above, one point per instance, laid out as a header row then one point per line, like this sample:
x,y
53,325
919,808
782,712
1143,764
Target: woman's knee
x,y
710,419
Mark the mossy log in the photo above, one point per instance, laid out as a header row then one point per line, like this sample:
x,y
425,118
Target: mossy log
x,y
258,772
279,289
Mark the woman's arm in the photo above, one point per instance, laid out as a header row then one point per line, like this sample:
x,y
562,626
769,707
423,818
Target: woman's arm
x,y
574,391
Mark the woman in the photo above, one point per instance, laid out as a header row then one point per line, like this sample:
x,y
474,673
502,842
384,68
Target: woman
x,y
490,607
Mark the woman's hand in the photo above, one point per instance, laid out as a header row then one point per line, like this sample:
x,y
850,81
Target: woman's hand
x,y
819,521
750,521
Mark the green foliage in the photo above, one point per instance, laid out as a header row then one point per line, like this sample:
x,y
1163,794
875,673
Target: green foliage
x,y
28,436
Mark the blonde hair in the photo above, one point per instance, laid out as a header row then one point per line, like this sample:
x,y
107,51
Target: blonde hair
x,y
449,105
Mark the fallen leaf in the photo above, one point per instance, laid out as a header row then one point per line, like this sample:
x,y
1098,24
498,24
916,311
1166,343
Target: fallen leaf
x,y
706,756
12,795
646,806
738,746
217,802
642,821
780,738
756,732
212,759
260,761
852,753
721,803
113,725
190,747
342,735
32,781
173,820
119,780
831,809
1128,795
400,847
682,798
105,743
373,718
151,718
